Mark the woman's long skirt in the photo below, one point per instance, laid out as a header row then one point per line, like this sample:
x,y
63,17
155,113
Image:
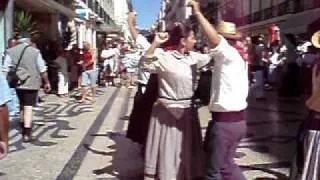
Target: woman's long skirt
x,y
174,148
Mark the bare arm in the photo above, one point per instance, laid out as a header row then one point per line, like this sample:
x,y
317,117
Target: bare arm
x,y
132,25
159,39
209,31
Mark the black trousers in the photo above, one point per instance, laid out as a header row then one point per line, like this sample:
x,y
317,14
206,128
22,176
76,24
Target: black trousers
x,y
142,107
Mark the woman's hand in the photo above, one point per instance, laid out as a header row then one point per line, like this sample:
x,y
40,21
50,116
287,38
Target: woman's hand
x,y
195,6
160,38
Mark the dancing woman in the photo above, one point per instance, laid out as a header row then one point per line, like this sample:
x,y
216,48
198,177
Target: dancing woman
x,y
173,149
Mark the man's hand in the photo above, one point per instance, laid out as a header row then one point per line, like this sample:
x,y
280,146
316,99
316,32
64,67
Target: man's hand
x,y
47,87
195,6
160,38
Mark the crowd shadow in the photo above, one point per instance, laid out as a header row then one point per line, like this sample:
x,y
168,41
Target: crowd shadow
x,y
126,163
57,126
50,117
271,124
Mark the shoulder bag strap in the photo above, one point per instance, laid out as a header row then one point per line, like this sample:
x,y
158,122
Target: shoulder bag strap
x,y
21,55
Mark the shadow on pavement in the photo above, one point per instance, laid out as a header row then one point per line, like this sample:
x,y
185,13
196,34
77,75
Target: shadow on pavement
x,y
272,128
50,118
41,128
126,163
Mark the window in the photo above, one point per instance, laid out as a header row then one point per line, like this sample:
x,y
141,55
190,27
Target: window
x,y
282,8
308,4
90,4
97,7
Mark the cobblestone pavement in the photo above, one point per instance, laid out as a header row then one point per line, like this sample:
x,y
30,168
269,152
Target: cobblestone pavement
x,y
87,141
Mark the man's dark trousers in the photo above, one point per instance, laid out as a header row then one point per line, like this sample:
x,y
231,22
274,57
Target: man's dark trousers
x,y
221,142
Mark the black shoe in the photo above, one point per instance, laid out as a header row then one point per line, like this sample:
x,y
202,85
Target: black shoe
x,y
27,136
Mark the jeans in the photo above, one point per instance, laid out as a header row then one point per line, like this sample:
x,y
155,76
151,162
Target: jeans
x,y
222,140
89,78
13,105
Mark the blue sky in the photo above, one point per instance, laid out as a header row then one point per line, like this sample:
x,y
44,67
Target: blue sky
x,y
147,12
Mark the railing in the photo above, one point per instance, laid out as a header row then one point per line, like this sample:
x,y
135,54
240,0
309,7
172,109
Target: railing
x,y
282,8
268,13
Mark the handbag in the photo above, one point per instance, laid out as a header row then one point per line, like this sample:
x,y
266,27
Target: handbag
x,y
12,77
203,91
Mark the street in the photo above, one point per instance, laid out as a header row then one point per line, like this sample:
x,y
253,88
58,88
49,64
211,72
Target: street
x,y
87,141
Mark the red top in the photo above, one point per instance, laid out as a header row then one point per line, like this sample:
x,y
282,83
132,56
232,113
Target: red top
x,y
239,46
87,60
274,32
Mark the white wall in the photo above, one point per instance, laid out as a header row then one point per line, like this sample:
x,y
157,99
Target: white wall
x,y
120,16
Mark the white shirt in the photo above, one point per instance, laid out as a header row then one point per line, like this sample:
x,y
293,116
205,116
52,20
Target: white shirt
x,y
108,53
142,43
176,75
111,56
229,88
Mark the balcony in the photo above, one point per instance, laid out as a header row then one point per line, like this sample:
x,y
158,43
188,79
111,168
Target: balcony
x,y
268,13
283,8
257,16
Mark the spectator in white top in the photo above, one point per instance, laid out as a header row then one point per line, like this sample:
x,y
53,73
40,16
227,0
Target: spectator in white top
x,y
228,99
110,65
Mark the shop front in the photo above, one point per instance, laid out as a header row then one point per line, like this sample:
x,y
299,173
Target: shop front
x,y
46,14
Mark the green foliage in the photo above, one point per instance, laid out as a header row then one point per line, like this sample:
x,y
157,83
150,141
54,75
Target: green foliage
x,y
24,27
68,37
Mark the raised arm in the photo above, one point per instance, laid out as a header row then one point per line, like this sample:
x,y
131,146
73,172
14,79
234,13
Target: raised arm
x,y
209,31
132,25
159,39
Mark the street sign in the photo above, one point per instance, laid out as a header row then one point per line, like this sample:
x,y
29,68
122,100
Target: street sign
x,y
82,13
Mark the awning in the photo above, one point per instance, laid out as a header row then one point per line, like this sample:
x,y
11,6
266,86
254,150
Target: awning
x,y
108,28
45,6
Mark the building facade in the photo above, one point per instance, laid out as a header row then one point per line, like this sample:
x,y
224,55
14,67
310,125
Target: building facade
x,y
255,16
46,13
120,15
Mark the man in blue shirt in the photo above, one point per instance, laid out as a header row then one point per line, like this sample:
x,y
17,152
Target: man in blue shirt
x,y
5,97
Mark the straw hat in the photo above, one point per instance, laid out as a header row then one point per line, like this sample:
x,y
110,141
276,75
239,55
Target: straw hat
x,y
228,30
315,39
